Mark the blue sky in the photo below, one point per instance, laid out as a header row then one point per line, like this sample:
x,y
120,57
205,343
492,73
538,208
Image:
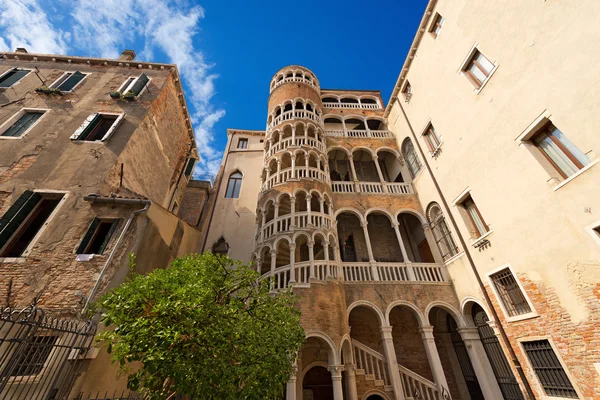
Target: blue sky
x,y
227,51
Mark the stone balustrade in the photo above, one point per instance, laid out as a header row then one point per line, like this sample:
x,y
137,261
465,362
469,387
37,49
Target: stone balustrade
x,y
294,115
286,143
394,272
296,79
359,133
372,187
364,106
295,220
297,172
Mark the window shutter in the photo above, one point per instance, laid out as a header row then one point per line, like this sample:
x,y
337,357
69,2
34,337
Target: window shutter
x,y
139,84
83,127
16,214
88,236
71,81
114,126
190,166
108,236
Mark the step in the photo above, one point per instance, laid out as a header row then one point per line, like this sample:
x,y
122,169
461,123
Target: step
x,y
379,382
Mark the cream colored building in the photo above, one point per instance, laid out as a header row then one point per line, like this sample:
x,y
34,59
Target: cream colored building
x,y
447,244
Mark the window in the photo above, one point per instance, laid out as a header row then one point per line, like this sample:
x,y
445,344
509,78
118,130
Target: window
x,y
549,370
97,236
135,85
68,81
411,158
98,127
220,247
22,222
478,69
475,218
559,151
26,119
234,185
407,91
441,232
432,139
436,26
242,144
12,76
31,359
189,167
508,290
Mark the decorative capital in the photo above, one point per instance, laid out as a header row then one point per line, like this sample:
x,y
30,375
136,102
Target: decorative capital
x,y
337,370
292,246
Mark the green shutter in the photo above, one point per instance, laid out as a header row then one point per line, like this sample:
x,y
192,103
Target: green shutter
x,y
16,214
139,84
190,166
71,81
88,236
108,236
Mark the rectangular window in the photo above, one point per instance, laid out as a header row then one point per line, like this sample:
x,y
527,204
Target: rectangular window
x,y
31,358
478,69
135,85
68,81
12,76
407,91
98,127
560,152
477,222
22,222
510,293
242,144
97,236
549,370
432,139
436,26
27,119
189,168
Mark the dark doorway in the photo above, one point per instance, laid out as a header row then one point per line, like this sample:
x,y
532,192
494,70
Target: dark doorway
x,y
317,382
464,361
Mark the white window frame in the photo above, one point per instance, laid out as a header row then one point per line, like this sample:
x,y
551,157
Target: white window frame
x,y
541,390
406,96
424,136
465,63
123,88
432,25
238,143
89,119
17,82
76,85
37,236
457,202
532,314
12,120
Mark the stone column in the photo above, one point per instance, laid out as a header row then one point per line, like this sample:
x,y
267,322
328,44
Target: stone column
x,y
437,256
411,275
344,127
290,393
294,136
292,262
354,178
367,127
293,166
308,210
311,258
380,174
267,178
262,226
434,358
275,222
326,254
278,178
338,255
293,212
390,356
350,370
481,364
336,377
273,261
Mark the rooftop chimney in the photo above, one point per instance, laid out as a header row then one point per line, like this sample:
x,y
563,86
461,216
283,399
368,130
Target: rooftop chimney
x,y
127,55
21,50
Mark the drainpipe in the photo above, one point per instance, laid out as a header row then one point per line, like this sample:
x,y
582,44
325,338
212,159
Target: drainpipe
x,y
112,200
463,243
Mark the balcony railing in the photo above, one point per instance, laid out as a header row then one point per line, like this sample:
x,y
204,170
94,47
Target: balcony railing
x,y
394,272
360,133
294,79
295,114
298,141
372,187
366,106
294,173
302,219
319,270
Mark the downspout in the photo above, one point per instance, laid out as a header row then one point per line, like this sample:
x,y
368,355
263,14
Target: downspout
x,y
98,199
488,300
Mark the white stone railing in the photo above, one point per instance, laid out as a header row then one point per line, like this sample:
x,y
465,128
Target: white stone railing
x,y
301,172
296,142
372,187
413,382
321,271
302,219
366,106
298,79
359,133
295,114
394,272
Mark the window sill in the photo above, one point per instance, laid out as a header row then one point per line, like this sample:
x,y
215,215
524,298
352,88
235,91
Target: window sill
x,y
12,137
481,238
454,258
480,88
437,150
523,317
17,260
575,175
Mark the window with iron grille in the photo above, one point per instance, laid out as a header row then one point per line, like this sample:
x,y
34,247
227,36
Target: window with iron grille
x,y
441,232
510,293
32,359
548,369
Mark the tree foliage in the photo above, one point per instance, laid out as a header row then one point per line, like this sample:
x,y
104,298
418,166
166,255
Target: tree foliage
x,y
205,327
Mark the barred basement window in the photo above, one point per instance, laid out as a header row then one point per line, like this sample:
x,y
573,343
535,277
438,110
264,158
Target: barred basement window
x,y
135,85
98,127
27,119
510,293
97,236
32,359
441,232
68,81
242,144
548,369
12,76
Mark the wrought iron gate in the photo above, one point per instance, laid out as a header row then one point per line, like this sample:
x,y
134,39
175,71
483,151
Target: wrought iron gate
x,y
504,376
40,356
464,361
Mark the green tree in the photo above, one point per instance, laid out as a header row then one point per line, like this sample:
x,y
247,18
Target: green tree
x,y
207,326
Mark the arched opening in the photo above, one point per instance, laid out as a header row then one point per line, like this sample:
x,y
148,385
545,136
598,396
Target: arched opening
x,y
459,372
339,166
234,185
286,133
441,232
289,74
286,161
279,78
390,167
220,247
348,100
312,160
319,248
287,107
277,111
332,255
353,247
329,100
317,384
315,205
275,137
285,206
269,211
367,100
410,156
413,236
283,254
375,397
364,166
384,241
326,204
301,202
299,106
354,124
265,260
309,107
333,124
302,250
376,124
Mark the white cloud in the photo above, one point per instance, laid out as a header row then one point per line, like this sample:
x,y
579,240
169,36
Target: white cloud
x,y
25,24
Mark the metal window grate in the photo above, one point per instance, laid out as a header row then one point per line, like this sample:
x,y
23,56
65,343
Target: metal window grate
x,y
548,369
443,237
510,293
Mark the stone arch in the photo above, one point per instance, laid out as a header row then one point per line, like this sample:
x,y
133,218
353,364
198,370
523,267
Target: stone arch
x,y
357,213
388,149
466,306
346,353
418,313
449,309
380,210
334,359
412,212
375,392
341,148
368,304
363,148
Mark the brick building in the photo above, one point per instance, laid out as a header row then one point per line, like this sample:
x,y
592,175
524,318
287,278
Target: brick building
x,y
444,244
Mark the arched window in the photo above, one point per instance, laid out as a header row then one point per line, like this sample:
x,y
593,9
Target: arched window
x,y
220,247
234,185
441,233
410,155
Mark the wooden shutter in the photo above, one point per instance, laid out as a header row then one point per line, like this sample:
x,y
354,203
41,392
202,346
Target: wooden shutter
x,y
139,84
108,236
190,166
114,126
88,236
69,84
16,214
82,128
